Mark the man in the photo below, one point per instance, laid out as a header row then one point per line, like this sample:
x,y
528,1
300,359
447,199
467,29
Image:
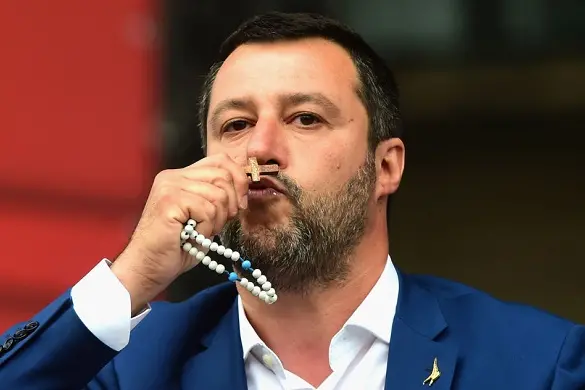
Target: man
x,y
307,94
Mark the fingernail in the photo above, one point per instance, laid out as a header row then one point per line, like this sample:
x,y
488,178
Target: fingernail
x,y
244,202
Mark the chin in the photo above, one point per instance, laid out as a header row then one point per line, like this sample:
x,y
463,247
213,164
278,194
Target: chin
x,y
260,227
261,237
273,214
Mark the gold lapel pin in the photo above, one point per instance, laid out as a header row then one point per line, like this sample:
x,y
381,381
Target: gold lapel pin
x,y
435,374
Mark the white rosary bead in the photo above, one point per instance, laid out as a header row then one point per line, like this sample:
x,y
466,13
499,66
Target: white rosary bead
x,y
256,291
263,290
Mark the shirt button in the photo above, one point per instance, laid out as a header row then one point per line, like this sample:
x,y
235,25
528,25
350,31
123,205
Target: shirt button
x,y
267,359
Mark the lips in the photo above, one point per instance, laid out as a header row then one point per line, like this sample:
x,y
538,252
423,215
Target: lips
x,y
266,187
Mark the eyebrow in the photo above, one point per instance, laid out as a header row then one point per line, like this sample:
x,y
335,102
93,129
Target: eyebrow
x,y
230,104
290,99
296,99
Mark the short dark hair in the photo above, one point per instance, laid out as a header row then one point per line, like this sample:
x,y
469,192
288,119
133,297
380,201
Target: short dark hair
x,y
377,90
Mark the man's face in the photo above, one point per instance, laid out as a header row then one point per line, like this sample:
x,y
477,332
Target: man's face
x,y
295,103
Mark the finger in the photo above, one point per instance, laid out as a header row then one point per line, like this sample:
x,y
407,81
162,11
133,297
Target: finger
x,y
219,177
217,197
201,210
240,179
204,212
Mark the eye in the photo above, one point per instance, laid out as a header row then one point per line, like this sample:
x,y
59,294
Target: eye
x,y
307,120
236,125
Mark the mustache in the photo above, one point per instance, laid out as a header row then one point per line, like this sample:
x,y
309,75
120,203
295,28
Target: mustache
x,y
293,189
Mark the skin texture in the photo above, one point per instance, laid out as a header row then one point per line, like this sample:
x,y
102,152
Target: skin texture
x,y
258,107
313,248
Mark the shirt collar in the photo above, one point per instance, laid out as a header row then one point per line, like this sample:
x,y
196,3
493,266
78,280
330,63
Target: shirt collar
x,y
248,335
375,314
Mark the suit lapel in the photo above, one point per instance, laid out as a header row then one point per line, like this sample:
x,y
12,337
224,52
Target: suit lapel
x,y
419,335
218,363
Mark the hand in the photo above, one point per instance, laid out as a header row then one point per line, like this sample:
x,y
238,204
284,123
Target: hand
x,y
211,191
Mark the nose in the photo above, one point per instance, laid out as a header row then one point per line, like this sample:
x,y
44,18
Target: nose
x,y
267,142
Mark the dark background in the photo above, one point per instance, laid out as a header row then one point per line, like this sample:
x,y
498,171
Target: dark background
x,y
493,99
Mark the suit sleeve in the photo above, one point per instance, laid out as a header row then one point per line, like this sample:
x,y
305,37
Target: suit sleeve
x,y
55,350
69,344
570,369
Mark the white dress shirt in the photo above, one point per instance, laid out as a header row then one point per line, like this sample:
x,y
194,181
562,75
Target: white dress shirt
x,y
358,353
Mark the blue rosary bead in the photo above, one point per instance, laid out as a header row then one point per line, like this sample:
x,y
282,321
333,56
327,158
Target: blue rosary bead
x,y
263,290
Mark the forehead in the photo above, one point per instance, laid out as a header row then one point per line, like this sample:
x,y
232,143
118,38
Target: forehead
x,y
265,70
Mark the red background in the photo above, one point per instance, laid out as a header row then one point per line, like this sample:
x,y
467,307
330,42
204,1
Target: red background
x,y
78,140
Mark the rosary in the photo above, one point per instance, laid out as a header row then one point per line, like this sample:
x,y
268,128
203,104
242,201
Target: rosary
x,y
263,289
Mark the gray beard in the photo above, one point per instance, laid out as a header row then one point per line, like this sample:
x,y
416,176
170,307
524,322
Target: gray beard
x,y
314,249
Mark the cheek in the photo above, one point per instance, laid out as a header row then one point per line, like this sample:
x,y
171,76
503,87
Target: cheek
x,y
320,170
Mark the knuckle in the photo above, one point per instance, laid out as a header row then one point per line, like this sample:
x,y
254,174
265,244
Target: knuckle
x,y
223,196
218,201
211,212
219,158
162,176
241,178
227,176
166,202
224,177
169,213
224,156
164,192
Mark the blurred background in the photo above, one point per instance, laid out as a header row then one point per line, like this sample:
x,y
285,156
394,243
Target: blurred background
x,y
97,97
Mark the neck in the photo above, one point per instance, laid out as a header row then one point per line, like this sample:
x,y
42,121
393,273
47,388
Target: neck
x,y
299,328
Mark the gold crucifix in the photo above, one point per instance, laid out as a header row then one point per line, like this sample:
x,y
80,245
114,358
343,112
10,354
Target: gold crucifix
x,y
254,170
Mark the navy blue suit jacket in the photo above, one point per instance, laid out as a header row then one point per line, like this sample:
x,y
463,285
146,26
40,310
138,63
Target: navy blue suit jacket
x,y
480,344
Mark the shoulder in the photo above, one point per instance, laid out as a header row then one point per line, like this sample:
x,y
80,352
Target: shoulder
x,y
495,333
459,300
481,318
